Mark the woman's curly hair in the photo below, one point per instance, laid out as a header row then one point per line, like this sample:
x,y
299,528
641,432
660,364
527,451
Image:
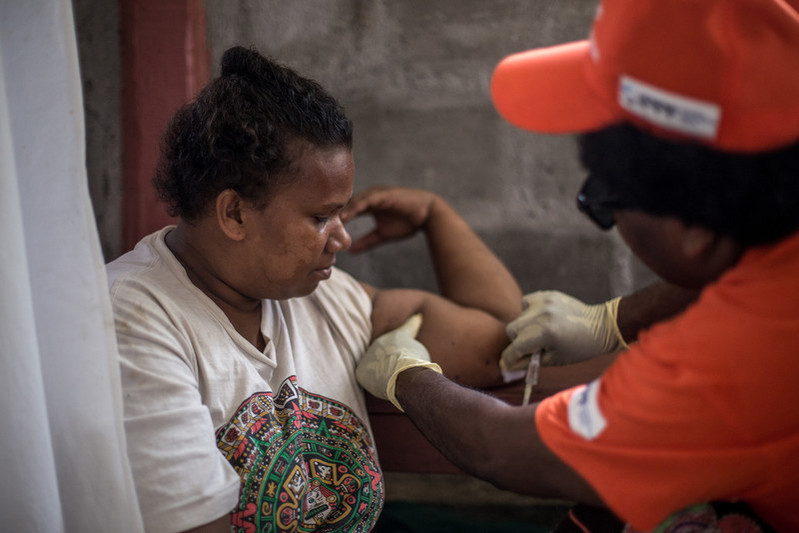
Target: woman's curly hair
x,y
237,134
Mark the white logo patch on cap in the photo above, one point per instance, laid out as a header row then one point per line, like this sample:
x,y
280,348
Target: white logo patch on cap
x,y
585,418
669,110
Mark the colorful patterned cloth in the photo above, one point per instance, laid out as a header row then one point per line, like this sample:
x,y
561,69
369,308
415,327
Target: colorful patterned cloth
x,y
305,463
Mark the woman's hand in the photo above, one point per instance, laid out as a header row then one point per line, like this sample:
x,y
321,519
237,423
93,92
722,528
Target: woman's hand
x,y
398,213
467,271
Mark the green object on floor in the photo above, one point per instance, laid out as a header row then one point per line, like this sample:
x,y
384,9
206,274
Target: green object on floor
x,y
408,517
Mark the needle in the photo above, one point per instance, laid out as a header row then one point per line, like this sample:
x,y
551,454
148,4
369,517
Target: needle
x,y
531,379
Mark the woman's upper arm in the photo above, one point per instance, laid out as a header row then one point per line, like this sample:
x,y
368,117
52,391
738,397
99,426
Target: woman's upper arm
x,y
466,342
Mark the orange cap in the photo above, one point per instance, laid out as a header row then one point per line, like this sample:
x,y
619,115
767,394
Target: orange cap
x,y
721,72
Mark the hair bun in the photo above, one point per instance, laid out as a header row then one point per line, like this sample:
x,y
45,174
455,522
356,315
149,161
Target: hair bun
x,y
239,61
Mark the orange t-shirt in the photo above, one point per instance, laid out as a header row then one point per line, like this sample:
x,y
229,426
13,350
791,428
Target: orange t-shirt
x,y
703,407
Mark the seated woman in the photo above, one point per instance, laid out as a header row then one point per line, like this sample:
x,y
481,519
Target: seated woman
x,y
239,337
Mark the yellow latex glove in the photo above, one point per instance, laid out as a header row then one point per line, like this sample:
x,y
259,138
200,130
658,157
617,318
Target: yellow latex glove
x,y
563,329
390,354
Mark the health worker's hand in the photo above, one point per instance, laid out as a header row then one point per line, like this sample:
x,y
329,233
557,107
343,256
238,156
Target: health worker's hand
x,y
390,354
565,329
398,213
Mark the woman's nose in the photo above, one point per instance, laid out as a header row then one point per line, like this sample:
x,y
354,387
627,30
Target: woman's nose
x,y
339,239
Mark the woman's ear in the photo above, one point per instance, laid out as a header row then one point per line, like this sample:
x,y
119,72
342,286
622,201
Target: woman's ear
x,y
229,211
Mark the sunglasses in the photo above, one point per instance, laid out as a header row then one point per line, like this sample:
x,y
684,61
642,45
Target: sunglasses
x,y
598,203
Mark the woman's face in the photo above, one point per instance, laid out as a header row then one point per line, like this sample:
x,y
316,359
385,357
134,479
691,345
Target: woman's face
x,y
291,244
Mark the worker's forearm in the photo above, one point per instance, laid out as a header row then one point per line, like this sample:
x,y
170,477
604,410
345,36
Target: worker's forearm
x,y
487,437
451,417
652,304
468,272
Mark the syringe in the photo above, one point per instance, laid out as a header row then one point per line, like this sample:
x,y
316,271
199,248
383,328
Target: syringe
x,y
531,378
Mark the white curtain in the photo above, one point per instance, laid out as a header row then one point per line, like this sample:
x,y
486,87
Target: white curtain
x,y
63,464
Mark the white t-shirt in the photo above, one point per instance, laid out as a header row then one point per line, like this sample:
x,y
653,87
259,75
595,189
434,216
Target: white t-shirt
x,y
213,424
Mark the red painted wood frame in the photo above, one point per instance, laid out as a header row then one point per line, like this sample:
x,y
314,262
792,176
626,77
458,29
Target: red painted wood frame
x,y
164,63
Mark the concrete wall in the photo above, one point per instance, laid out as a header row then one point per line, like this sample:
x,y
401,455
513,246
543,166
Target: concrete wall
x,y
97,28
414,77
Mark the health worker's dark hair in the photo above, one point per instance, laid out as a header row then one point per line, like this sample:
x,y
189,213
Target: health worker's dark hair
x,y
240,133
751,197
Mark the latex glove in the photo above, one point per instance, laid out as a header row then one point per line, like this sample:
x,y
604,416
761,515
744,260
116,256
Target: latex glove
x,y
390,354
563,328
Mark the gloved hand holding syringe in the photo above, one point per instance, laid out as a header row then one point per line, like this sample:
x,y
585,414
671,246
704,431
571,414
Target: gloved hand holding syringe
x,y
557,329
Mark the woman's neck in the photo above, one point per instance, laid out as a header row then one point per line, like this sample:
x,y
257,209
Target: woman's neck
x,y
243,312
